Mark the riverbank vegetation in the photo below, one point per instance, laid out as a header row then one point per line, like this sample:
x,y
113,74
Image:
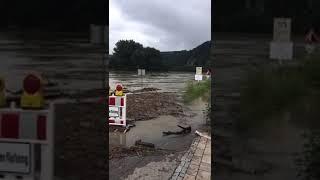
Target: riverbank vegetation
x,y
275,93
202,89
273,90
195,90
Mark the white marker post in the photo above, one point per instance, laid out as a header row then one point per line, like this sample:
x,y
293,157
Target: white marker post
x,y
198,76
281,47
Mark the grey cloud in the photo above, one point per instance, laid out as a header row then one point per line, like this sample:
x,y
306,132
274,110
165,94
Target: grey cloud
x,y
180,24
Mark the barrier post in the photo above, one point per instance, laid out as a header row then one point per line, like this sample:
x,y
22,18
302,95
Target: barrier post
x,y
47,151
117,110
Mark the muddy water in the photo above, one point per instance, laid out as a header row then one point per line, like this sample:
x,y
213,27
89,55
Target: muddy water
x,y
166,82
151,131
73,63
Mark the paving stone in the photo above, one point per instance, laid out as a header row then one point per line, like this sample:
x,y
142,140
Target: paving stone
x,y
178,170
193,149
174,176
182,163
183,158
203,139
203,175
189,177
205,167
196,160
187,163
193,170
184,169
180,178
201,145
199,152
207,151
206,159
189,156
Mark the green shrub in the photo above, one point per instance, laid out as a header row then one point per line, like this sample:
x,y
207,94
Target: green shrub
x,y
268,92
195,90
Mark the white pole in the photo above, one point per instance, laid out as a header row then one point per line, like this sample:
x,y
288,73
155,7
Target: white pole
x,y
47,150
125,110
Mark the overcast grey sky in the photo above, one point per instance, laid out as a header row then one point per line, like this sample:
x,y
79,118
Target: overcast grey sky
x,y
167,25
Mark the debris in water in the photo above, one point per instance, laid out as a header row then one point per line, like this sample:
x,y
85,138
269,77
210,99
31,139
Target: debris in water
x,y
128,127
141,143
183,131
202,135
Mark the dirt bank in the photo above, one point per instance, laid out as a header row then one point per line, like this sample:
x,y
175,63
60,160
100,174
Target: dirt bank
x,y
146,106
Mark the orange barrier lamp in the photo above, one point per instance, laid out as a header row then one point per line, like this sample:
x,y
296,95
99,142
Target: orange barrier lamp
x,y
32,96
119,90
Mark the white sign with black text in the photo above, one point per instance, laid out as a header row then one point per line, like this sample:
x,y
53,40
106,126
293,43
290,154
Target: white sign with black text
x,y
198,77
15,157
199,70
113,111
281,47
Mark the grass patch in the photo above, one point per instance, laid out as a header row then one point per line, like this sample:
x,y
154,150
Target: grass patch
x,y
272,90
195,90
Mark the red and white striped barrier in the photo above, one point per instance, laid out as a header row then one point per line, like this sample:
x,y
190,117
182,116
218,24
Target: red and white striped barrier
x,y
20,131
18,124
117,110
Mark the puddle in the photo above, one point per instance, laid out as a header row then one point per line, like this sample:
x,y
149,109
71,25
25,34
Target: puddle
x,y
151,131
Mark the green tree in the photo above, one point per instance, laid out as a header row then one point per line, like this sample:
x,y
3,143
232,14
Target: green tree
x,y
153,58
124,50
133,54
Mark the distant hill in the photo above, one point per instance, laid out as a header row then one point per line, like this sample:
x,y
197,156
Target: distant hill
x,y
193,57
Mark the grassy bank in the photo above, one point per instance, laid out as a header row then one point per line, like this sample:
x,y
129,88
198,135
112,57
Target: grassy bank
x,y
271,91
202,89
195,90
